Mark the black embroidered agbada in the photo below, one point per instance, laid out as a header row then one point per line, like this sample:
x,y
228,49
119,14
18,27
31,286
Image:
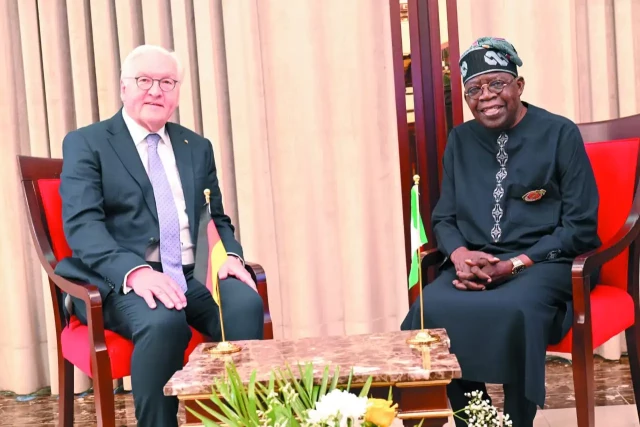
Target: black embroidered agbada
x,y
528,190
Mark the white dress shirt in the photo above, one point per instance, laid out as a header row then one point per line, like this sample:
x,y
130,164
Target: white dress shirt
x,y
165,152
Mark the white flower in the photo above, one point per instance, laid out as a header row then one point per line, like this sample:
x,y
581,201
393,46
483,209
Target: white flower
x,y
480,413
338,406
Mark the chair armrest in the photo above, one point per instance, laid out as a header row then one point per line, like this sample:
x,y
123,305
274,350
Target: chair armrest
x,y
93,302
431,257
84,291
260,278
586,264
256,271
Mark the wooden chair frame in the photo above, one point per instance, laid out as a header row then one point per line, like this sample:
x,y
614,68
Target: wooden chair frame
x,y
33,169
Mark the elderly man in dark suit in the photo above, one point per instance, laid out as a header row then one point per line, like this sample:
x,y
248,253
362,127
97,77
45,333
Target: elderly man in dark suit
x,y
132,187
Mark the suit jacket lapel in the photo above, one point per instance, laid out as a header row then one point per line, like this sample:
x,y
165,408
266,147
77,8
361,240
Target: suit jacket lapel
x,y
125,148
183,152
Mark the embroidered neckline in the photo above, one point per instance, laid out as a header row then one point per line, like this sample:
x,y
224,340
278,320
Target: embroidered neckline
x,y
498,192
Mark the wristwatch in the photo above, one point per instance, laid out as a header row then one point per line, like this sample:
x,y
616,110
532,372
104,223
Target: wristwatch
x,y
518,266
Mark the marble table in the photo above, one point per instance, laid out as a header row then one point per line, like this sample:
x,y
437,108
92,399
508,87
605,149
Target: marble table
x,y
418,379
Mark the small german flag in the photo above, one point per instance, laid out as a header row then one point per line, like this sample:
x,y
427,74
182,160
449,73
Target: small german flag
x,y
210,252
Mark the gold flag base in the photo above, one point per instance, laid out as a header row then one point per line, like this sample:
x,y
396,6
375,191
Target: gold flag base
x,y
423,338
224,347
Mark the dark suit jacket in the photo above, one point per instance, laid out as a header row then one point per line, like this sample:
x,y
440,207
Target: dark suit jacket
x,y
108,207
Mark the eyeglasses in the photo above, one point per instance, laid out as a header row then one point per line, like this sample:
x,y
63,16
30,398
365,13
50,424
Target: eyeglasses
x,y
145,83
495,86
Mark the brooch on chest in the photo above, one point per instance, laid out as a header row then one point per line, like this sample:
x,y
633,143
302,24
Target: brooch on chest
x,y
534,196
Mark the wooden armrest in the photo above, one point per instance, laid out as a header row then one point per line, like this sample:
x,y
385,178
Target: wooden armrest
x,y
586,264
256,270
84,291
93,303
259,276
431,257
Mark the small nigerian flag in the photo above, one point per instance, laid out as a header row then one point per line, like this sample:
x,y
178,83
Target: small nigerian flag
x,y
418,236
210,253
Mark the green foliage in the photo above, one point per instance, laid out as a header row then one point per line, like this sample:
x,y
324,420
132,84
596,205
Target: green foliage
x,y
283,401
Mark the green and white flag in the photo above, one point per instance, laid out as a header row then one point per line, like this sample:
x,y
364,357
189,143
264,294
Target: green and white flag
x,y
418,236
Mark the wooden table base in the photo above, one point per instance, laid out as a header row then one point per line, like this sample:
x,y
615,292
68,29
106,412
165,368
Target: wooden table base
x,y
416,401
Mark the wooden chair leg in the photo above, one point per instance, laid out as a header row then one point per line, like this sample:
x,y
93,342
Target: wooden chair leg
x,y
583,378
633,340
65,398
103,390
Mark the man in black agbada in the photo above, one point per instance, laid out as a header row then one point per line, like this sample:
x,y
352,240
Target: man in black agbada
x,y
518,203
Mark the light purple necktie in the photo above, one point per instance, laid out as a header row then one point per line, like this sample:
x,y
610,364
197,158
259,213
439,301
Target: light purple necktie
x,y
170,246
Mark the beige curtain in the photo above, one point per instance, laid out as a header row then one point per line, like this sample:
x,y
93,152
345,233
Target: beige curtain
x,y
298,100
581,59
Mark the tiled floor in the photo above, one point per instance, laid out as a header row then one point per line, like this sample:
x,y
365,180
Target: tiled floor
x,y
614,398
606,416
612,379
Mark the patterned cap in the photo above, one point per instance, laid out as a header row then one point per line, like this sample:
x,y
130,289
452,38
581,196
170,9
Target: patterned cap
x,y
488,55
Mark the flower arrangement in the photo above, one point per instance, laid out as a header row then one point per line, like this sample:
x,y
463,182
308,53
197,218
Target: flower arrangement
x,y
480,413
289,401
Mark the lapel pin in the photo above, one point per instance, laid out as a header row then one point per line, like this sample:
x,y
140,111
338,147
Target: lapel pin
x,y
186,142
533,196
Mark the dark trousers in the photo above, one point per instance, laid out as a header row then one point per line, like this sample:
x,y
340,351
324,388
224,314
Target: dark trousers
x,y
160,336
520,410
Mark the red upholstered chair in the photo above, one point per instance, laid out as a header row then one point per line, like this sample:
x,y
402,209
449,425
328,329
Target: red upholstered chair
x,y
613,306
101,354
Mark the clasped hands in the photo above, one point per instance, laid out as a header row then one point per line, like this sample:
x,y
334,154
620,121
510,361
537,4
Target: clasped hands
x,y
476,270
151,285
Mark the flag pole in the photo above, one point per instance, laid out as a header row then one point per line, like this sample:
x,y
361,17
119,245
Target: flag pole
x,y
220,312
422,338
223,347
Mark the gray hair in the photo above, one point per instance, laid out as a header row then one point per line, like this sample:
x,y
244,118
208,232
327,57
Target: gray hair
x,y
128,62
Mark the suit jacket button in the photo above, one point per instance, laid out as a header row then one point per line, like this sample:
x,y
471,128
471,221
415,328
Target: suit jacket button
x,y
152,240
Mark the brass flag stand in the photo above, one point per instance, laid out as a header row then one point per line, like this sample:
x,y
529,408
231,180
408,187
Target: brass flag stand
x,y
223,347
423,338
